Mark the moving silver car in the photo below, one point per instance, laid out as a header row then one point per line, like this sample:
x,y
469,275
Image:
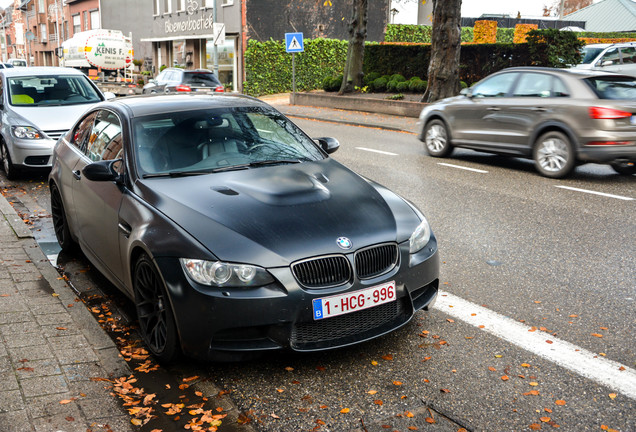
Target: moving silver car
x,y
558,117
38,105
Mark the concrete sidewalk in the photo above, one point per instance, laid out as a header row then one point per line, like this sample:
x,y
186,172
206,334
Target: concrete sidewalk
x,y
354,118
51,347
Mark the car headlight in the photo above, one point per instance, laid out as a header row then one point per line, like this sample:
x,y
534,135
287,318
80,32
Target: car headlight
x,y
224,274
420,237
26,132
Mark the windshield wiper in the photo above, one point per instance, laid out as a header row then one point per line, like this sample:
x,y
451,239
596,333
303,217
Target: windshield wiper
x,y
177,174
257,164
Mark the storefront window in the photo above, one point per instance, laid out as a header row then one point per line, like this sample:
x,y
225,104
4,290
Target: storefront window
x,y
179,53
227,61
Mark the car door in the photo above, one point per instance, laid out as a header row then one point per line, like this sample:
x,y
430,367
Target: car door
x,y
173,80
474,119
97,203
628,57
610,61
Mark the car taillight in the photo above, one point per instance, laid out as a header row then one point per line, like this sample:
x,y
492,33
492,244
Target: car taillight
x,y
596,143
183,88
219,89
608,113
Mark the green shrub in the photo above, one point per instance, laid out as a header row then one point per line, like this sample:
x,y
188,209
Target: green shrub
x,y
415,78
398,96
397,77
370,77
463,84
554,48
387,77
391,86
421,86
379,85
326,84
402,86
413,83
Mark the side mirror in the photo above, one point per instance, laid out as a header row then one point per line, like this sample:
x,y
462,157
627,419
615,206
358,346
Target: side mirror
x,y
109,95
329,145
102,171
607,63
466,92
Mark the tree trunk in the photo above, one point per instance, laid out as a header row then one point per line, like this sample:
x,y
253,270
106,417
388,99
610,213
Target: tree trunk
x,y
352,76
443,69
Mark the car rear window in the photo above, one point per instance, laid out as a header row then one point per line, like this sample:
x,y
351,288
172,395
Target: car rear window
x,y
207,78
607,87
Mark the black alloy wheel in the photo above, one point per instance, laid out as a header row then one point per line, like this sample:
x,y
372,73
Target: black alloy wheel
x,y
10,170
60,222
156,321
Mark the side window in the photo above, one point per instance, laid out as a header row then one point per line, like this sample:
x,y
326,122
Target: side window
x,y
80,134
534,85
611,57
497,86
105,138
629,55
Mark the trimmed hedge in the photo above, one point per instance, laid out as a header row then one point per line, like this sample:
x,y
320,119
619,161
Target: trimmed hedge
x,y
268,66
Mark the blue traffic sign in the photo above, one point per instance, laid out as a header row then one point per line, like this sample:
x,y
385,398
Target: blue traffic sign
x,y
294,42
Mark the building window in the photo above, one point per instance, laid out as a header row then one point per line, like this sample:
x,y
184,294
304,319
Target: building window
x,y
228,2
155,4
167,6
85,20
181,5
77,24
43,33
41,7
208,3
95,19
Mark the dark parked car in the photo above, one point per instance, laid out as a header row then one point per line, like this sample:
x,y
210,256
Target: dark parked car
x,y
558,117
173,80
233,231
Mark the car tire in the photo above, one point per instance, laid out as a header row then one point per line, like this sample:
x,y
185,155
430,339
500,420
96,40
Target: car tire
x,y
553,155
156,322
10,170
437,139
624,168
60,221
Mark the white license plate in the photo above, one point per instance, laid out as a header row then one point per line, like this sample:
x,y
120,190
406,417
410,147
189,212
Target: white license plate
x,y
633,119
354,301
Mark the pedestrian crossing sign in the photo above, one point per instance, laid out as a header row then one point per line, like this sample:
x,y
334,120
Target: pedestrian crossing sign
x,y
294,42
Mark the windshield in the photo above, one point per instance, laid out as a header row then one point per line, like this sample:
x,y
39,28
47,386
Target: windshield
x,y
220,139
606,87
589,54
200,78
42,90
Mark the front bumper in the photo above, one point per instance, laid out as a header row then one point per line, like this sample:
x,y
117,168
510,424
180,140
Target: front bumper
x,y
31,153
213,322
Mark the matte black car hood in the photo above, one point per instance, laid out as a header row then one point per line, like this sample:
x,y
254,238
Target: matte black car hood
x,y
272,216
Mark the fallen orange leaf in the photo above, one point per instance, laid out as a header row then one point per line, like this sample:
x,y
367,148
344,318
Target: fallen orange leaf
x,y
378,402
612,396
492,369
535,426
545,419
505,378
387,357
597,335
409,414
560,402
534,384
397,383
344,410
192,378
372,392
430,420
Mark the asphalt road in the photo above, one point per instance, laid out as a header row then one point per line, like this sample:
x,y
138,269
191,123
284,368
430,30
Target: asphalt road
x,y
517,250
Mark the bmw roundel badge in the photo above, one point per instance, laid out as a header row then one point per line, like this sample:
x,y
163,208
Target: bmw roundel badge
x,y
344,243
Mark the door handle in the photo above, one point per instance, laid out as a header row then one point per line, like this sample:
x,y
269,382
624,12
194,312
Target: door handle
x,y
77,174
540,109
494,109
124,228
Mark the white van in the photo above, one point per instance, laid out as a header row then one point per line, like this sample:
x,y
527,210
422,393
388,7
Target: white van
x,y
17,62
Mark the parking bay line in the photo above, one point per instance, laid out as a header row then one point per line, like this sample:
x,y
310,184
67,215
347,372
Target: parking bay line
x,y
377,151
464,168
567,355
596,193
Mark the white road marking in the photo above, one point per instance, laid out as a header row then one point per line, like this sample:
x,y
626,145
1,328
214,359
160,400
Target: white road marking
x,y
464,168
596,193
377,151
564,354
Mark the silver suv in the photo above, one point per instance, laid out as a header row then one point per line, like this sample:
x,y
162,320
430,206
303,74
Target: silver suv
x,y
619,57
38,104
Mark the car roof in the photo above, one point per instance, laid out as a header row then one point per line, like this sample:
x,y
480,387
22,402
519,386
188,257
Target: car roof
x,y
143,105
567,72
40,70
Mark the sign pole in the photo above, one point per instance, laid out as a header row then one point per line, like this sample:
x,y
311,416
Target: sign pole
x,y
293,78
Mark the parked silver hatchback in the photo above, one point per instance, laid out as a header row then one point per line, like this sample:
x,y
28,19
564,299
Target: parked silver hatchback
x,y
558,117
38,105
